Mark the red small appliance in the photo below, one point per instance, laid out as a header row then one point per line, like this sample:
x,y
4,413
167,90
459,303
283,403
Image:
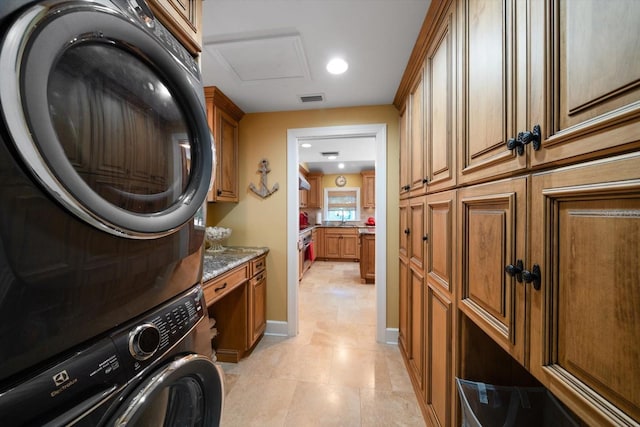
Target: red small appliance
x,y
304,220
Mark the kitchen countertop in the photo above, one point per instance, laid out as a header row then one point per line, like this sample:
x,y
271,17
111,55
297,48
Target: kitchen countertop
x,y
217,263
362,228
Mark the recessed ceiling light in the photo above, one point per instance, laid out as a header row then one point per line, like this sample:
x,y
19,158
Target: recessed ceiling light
x,y
340,165
305,145
337,66
332,157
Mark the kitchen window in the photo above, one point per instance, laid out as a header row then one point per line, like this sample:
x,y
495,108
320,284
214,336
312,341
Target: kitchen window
x,y
342,204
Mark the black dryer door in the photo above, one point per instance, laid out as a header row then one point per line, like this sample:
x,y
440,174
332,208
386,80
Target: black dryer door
x,y
105,117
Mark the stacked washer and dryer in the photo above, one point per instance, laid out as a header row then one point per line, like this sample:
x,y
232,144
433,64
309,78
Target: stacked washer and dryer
x,y
105,163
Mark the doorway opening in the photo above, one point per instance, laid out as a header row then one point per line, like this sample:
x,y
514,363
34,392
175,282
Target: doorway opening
x,y
379,133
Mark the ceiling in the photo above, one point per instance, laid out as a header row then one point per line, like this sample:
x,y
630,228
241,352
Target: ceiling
x,y
267,54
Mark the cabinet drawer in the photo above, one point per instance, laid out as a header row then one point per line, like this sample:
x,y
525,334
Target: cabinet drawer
x,y
220,286
257,265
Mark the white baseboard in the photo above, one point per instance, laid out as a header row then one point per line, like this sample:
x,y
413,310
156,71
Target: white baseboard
x,y
278,328
391,336
281,329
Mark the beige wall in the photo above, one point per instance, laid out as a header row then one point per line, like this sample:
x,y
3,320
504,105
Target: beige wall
x,y
262,222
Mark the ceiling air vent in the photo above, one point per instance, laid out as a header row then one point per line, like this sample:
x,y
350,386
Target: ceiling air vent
x,y
330,153
312,98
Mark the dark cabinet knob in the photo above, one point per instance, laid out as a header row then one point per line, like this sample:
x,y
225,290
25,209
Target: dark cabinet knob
x,y
425,180
406,188
407,231
425,238
534,276
219,192
516,144
515,270
534,137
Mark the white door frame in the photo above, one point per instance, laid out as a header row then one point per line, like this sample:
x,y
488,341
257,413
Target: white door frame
x,y
379,132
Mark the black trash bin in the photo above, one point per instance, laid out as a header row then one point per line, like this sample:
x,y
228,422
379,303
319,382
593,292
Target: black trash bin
x,y
486,405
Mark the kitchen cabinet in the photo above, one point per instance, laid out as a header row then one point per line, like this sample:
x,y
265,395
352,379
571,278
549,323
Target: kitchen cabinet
x,y
183,18
404,132
237,300
403,281
368,189
224,117
318,242
368,257
303,195
584,236
583,74
341,243
494,102
315,194
531,124
417,160
427,300
492,223
257,300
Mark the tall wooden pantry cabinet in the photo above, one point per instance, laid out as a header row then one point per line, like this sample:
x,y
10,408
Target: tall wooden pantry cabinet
x,y
520,241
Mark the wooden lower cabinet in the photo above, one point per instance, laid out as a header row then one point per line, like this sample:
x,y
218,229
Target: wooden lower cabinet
x,y
492,223
237,300
585,238
341,243
368,257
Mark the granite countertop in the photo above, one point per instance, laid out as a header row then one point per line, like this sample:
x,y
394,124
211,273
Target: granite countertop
x,y
217,263
367,230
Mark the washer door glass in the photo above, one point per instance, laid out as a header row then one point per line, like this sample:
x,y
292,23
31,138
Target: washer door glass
x,y
187,392
106,118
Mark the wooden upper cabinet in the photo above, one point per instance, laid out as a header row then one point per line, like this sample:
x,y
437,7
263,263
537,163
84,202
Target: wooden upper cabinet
x,y
315,195
585,236
404,150
440,102
492,221
417,161
368,189
590,105
491,102
224,117
417,233
183,18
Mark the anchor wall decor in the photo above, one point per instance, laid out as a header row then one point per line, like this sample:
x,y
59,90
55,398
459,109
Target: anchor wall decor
x,y
264,191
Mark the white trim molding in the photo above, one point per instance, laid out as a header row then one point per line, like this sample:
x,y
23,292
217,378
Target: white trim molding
x,y
379,133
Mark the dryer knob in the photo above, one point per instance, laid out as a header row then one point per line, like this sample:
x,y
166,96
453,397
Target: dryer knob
x,y
144,341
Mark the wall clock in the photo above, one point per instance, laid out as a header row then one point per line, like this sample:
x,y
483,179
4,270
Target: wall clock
x,y
341,181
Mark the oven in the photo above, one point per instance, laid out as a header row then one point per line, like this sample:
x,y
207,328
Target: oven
x,y
106,159
306,245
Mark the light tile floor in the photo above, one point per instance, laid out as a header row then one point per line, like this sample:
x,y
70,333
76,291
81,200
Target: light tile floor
x,y
333,373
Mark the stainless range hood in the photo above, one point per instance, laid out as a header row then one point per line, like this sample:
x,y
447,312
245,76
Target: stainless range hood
x,y
303,184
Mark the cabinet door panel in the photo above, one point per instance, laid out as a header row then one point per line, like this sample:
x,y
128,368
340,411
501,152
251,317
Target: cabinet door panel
x,y
404,228
493,218
417,146
440,357
228,153
489,105
403,322
404,150
416,319
439,104
585,317
594,89
418,222
441,227
349,247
